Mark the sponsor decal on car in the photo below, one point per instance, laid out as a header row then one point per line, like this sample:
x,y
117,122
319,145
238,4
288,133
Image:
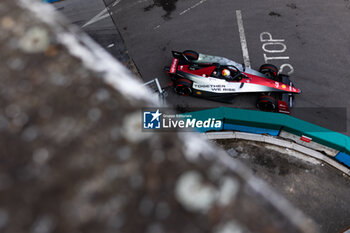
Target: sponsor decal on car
x,y
215,87
283,107
174,65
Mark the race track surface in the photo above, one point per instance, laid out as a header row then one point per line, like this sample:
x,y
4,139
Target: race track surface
x,y
309,39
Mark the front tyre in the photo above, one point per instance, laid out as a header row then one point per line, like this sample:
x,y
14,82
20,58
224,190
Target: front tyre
x,y
183,87
270,71
266,103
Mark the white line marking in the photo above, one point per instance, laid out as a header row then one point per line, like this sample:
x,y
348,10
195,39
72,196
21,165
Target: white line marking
x,y
282,49
114,12
243,40
269,39
102,15
266,58
185,11
287,65
192,7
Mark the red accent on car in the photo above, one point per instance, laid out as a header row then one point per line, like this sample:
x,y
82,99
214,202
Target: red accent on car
x,y
174,65
207,71
282,107
254,79
305,138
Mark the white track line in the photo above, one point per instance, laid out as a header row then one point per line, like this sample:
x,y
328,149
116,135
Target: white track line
x,y
243,40
102,15
185,11
192,7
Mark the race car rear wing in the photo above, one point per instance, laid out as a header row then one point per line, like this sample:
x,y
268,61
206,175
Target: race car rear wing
x,y
173,66
179,55
176,57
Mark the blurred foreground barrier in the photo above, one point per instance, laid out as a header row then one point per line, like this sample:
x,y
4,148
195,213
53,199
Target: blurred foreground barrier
x,y
331,143
74,159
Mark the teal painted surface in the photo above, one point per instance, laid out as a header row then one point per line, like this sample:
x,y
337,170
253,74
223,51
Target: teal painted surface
x,y
249,129
204,115
277,121
203,130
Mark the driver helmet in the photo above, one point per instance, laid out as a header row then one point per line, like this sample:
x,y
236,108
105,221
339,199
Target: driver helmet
x,y
225,72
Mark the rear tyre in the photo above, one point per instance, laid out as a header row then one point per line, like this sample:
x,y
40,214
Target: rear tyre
x,y
266,103
270,71
191,55
183,87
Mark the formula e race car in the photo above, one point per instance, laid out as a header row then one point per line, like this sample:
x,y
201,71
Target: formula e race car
x,y
220,79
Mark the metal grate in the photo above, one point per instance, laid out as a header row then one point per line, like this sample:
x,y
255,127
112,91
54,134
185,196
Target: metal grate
x,y
154,85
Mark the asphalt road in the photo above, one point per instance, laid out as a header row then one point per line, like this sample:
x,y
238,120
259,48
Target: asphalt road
x,y
317,189
315,38
92,17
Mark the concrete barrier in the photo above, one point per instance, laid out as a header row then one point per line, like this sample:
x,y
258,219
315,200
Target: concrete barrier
x,y
312,154
314,137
